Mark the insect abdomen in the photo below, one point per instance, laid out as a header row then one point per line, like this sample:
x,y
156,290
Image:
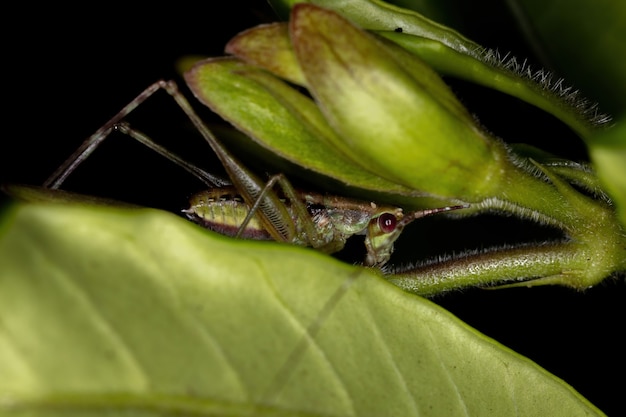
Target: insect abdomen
x,y
222,211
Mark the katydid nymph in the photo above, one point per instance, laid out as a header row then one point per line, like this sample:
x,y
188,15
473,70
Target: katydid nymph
x,y
245,206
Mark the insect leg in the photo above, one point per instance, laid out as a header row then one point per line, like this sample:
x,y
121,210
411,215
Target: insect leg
x,y
116,123
255,207
209,179
92,142
298,207
272,212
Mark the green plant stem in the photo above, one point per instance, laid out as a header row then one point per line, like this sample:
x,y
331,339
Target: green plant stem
x,y
595,245
525,194
477,67
490,267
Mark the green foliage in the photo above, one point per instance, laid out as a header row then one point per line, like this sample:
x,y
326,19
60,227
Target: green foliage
x,y
380,114
608,149
302,134
108,311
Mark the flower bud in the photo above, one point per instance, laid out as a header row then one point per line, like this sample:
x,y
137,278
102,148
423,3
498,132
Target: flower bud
x,y
392,113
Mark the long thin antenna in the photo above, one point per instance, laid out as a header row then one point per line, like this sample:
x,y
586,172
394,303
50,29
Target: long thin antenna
x,y
418,214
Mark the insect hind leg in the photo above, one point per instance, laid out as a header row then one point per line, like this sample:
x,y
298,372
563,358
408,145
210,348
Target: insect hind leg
x,y
297,205
117,123
257,204
209,179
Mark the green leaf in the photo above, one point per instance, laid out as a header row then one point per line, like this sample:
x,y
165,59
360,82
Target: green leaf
x,y
448,12
485,67
450,54
278,117
269,47
378,15
608,152
392,112
107,311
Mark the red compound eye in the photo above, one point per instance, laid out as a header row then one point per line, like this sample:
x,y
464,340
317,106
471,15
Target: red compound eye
x,y
387,222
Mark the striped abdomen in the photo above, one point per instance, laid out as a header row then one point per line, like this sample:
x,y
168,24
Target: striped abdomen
x,y
223,211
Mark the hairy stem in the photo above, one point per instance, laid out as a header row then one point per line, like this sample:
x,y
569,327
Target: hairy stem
x,y
517,264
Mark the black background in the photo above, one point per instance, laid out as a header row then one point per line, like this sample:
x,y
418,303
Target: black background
x,y
67,70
